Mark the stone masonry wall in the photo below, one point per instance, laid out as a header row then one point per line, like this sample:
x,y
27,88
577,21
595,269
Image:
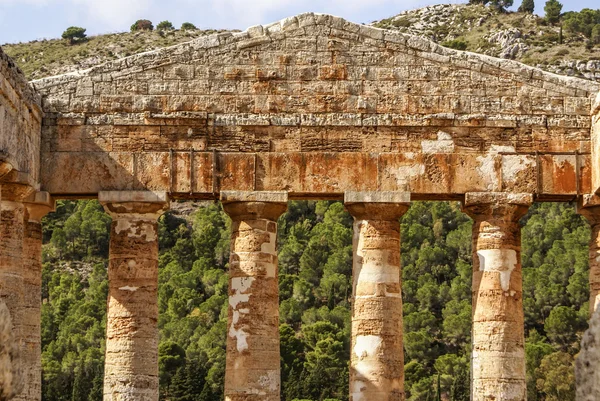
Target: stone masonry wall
x,y
596,142
20,120
315,104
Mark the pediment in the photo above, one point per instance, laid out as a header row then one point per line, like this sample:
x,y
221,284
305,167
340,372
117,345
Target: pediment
x,y
314,104
324,70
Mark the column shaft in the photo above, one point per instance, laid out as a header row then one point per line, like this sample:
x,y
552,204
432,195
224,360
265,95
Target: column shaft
x,y
498,355
589,207
253,359
12,276
594,253
377,357
131,364
37,206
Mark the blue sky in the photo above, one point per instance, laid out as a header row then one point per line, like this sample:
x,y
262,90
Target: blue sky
x,y
25,20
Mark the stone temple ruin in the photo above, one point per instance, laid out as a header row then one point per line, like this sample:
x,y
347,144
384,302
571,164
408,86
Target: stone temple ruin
x,y
311,107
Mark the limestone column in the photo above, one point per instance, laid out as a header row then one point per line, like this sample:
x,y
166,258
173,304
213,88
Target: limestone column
x,y
377,356
589,207
498,354
37,206
12,277
252,370
131,364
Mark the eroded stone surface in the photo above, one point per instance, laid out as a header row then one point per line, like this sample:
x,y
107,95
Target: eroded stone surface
x,y
315,104
589,207
377,356
13,276
498,354
20,120
587,373
10,372
37,206
131,364
252,370
596,144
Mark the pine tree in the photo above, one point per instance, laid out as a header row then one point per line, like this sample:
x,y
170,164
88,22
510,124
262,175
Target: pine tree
x,y
596,34
194,380
553,9
178,390
501,5
527,6
459,391
80,384
560,35
74,34
331,298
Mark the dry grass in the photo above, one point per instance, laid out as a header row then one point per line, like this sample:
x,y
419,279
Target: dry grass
x,y
43,58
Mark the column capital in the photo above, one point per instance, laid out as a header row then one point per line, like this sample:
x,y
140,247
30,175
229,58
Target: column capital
x,y
145,204
589,207
5,167
381,205
497,204
38,205
254,204
16,186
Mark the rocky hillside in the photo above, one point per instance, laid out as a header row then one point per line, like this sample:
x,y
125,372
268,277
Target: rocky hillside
x,y
521,36
43,58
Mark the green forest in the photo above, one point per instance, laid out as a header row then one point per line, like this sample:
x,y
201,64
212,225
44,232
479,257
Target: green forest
x,y
315,262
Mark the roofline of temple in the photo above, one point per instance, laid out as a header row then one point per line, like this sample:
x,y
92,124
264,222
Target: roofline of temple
x,y
260,34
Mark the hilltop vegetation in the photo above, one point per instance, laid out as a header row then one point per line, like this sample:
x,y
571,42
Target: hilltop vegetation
x,y
567,46
42,58
573,49
315,255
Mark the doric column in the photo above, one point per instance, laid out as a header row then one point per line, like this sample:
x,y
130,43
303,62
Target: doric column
x,y
377,357
589,207
37,206
12,277
498,355
253,367
131,364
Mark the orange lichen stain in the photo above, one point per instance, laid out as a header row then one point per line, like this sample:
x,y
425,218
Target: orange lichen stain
x,y
564,177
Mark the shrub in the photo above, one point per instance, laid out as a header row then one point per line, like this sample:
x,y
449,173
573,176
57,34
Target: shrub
x,y
527,6
188,26
74,34
165,26
562,52
596,34
589,45
457,44
401,22
142,25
